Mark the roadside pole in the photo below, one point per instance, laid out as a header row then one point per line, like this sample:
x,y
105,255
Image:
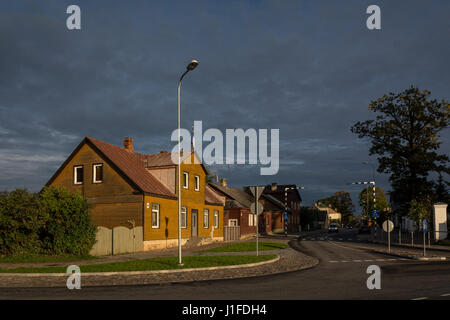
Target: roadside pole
x,y
256,217
425,229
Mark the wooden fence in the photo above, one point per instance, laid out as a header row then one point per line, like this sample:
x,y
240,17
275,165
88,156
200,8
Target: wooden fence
x,y
231,233
117,240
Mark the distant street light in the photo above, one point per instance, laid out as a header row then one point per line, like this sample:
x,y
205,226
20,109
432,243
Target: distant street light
x,y
191,66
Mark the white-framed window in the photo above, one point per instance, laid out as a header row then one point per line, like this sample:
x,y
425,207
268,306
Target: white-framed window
x,y
250,219
97,173
206,218
184,217
197,183
155,215
185,180
78,175
232,222
216,219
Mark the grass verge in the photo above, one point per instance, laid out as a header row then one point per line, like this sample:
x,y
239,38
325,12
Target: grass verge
x,y
164,263
37,258
249,246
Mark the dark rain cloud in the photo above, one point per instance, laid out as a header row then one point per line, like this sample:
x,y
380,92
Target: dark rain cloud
x,y
307,68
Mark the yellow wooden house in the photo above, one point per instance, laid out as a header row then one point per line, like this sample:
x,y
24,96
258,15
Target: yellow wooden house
x,y
139,192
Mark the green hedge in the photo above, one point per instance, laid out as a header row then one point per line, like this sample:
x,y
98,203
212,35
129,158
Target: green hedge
x,y
51,222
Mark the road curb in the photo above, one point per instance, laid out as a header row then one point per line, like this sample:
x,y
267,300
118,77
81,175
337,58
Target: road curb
x,y
130,273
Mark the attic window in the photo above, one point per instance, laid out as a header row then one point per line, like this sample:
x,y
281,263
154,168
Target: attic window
x,y
78,175
97,174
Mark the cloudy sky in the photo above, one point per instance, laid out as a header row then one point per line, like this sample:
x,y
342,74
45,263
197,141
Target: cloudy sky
x,y
308,68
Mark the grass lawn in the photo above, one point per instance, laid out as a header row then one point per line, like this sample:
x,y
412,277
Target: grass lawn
x,y
165,263
249,246
37,258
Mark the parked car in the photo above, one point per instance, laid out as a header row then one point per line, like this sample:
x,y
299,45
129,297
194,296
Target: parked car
x,y
334,227
364,229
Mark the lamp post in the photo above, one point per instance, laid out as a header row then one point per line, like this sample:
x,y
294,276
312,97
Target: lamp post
x,y
191,66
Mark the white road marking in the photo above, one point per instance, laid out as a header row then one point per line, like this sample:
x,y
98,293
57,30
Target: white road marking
x,y
421,298
391,259
333,261
368,260
445,295
344,261
357,261
381,260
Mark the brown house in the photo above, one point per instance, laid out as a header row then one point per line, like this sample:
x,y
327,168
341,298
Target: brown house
x,y
237,209
286,195
139,192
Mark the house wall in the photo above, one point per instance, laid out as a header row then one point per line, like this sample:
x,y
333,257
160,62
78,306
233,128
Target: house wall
x,y
242,215
114,202
167,176
191,199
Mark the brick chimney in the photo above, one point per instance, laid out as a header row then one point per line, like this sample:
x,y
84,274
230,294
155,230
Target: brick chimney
x,y
128,144
223,182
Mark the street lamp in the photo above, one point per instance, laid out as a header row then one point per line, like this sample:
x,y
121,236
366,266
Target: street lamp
x,y
191,66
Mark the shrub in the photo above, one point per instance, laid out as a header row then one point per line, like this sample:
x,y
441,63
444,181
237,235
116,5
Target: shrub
x,y
68,229
20,222
52,222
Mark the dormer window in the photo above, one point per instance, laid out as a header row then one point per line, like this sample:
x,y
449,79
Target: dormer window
x,y
197,183
97,174
185,180
78,175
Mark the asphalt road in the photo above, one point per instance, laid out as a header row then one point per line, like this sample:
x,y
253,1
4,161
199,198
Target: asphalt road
x,y
341,274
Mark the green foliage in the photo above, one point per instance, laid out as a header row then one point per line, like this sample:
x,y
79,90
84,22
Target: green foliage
x,y
20,222
405,136
341,201
68,229
52,222
419,210
382,204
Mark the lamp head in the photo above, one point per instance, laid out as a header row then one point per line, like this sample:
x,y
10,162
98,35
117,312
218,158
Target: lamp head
x,y
192,65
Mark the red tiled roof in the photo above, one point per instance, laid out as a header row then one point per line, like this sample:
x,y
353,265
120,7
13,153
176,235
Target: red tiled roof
x,y
132,165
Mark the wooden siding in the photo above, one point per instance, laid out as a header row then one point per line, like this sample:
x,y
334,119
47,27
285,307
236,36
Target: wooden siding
x,y
113,202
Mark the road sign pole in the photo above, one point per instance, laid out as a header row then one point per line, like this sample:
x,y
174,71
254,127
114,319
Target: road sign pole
x,y
389,239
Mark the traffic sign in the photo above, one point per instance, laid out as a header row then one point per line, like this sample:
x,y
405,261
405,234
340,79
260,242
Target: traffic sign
x,y
253,208
375,214
388,226
257,191
425,225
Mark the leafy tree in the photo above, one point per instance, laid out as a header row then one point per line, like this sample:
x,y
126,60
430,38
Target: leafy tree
x,y
341,201
68,229
381,203
420,210
20,222
405,135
